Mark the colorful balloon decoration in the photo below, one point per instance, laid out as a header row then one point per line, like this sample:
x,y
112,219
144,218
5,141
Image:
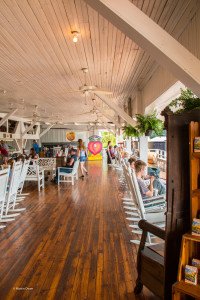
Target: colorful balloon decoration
x,y
95,148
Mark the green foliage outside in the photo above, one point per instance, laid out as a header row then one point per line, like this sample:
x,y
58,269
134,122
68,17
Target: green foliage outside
x,y
185,102
108,136
145,124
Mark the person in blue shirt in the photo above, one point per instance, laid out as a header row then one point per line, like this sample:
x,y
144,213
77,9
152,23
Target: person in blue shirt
x,y
36,146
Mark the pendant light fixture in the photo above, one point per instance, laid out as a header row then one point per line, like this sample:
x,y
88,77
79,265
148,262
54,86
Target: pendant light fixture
x,y
75,36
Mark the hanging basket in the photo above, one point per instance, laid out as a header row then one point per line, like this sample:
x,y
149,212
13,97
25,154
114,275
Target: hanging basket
x,y
148,132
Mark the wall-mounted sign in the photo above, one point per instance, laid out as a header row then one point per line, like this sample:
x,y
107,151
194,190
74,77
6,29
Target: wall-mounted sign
x,y
70,136
95,148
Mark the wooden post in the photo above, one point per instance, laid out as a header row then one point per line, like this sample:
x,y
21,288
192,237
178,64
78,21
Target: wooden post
x,y
143,148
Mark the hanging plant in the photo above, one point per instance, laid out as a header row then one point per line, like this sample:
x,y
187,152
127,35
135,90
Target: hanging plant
x,y
130,131
146,124
185,102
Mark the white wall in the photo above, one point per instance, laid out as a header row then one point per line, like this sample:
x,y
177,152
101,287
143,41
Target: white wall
x,y
59,136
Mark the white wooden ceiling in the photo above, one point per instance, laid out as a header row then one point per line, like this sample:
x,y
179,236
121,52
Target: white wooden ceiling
x,y
40,64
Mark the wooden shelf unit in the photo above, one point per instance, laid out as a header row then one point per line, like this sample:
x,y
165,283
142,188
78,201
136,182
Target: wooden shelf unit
x,y
194,131
190,247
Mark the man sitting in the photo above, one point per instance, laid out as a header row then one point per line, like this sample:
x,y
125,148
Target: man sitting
x,y
147,191
69,165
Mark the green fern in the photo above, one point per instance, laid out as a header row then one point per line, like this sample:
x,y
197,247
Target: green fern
x,y
185,102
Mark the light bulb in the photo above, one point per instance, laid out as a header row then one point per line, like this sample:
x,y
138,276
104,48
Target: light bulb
x,y
75,36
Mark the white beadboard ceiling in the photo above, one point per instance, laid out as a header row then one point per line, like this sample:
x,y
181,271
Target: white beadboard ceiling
x,y
40,63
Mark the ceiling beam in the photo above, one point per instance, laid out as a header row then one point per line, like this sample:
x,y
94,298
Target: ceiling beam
x,y
29,128
116,108
109,117
6,117
46,130
153,39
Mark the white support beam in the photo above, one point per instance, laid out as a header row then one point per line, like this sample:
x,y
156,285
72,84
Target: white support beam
x,y
29,128
109,117
6,117
152,38
46,130
116,108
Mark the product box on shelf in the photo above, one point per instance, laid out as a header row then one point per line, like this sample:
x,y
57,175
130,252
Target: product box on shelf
x,y
191,274
197,144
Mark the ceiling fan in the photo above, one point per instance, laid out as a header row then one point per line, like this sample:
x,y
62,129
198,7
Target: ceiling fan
x,y
36,116
86,89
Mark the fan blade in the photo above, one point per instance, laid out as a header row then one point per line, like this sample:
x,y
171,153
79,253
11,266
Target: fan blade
x,y
101,91
75,91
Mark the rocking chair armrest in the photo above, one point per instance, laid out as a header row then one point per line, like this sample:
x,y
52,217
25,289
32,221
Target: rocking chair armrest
x,y
155,230
159,197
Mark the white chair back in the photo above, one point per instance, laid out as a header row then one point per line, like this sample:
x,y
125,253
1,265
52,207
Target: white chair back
x,y
14,185
34,173
4,175
137,194
47,163
23,175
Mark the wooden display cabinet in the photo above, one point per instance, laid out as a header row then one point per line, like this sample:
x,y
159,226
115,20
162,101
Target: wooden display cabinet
x,y
190,247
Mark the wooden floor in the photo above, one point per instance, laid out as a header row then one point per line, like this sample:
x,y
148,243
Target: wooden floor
x,y
71,243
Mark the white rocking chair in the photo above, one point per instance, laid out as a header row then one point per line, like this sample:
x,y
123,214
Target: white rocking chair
x,y
68,177
4,176
12,192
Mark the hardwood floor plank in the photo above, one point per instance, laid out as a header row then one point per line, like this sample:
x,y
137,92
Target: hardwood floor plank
x,y
72,242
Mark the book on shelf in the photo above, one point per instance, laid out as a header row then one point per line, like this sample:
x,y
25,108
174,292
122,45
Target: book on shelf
x,y
196,263
197,144
191,273
196,227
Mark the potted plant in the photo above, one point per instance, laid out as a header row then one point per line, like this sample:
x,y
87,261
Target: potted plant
x,y
185,102
146,124
130,131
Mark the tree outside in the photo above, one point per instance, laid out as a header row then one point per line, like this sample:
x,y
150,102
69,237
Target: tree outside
x,y
108,136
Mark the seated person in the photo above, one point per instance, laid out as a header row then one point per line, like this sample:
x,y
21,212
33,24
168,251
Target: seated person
x,y
132,161
147,191
33,154
69,165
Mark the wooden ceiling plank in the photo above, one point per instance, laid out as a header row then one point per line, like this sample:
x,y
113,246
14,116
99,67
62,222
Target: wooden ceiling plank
x,y
49,37
125,67
54,34
40,39
82,11
186,17
166,50
103,27
117,59
53,17
16,66
95,38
